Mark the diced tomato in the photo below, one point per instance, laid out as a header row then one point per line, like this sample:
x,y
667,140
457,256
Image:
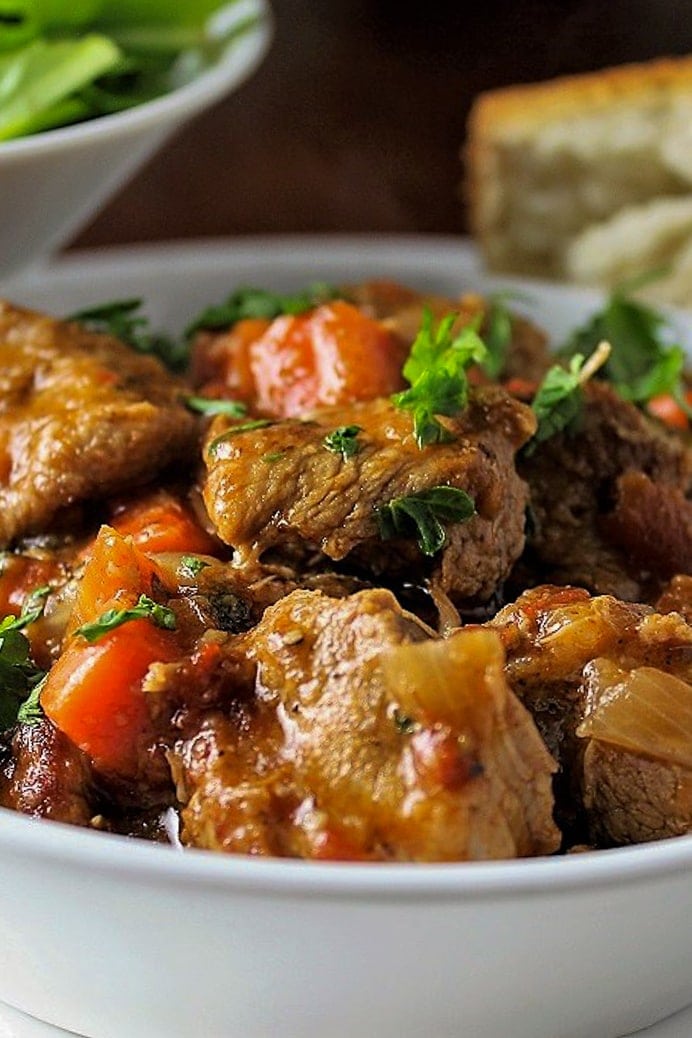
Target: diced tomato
x,y
159,522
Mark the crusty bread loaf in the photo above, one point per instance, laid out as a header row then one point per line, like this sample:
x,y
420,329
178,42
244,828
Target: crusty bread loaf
x,y
587,177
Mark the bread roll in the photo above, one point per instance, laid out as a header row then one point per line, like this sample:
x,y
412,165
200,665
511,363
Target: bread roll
x,y
588,177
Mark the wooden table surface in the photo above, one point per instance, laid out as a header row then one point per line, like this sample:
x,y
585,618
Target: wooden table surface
x,y
356,118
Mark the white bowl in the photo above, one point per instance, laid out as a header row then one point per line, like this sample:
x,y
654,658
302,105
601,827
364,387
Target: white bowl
x,y
115,938
51,183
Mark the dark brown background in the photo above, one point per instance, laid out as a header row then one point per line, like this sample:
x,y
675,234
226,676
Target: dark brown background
x,y
354,121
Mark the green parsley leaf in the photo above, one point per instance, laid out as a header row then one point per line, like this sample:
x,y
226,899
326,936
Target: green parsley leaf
x,y
190,566
436,370
558,400
257,423
31,711
642,362
19,675
497,335
344,441
422,516
259,303
273,456
145,609
120,320
204,405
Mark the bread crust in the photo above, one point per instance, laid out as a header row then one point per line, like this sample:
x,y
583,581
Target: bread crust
x,y
517,111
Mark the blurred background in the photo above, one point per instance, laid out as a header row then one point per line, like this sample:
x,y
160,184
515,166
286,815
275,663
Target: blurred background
x,y
356,118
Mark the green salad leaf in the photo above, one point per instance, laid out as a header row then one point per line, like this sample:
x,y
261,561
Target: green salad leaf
x,y
66,62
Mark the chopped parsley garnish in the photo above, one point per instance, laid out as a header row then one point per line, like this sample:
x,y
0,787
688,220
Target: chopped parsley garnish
x,y
259,303
257,423
642,363
344,441
145,609
19,675
558,400
205,405
191,566
271,456
436,371
422,516
119,319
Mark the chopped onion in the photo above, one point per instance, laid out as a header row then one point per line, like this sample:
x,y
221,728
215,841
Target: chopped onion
x,y
644,710
453,682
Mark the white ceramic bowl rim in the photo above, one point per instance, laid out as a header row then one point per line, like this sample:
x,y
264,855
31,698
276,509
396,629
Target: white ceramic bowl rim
x,y
236,63
68,846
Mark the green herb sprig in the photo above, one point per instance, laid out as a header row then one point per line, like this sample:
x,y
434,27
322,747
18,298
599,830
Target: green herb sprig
x,y
344,441
436,372
235,430
145,609
207,406
642,362
422,516
120,319
259,303
19,674
558,400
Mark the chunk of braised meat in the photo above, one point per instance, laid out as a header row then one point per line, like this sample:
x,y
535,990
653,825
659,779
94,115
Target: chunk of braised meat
x,y
552,636
637,765
608,501
42,773
332,747
278,489
81,417
401,309
676,597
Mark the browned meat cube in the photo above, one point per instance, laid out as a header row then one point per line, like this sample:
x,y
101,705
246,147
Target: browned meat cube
x,y
278,487
588,530
597,675
42,773
363,738
81,416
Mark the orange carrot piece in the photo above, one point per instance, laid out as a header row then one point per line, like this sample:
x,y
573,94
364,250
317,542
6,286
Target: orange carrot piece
x,y
115,575
94,694
159,522
666,408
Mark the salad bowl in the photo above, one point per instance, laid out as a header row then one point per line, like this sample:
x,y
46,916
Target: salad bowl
x,y
52,182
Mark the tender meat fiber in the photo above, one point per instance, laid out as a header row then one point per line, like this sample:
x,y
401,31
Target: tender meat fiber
x,y
322,756
81,416
676,597
581,498
279,488
551,636
42,773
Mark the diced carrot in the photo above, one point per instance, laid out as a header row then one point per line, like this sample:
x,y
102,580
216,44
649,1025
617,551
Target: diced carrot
x,y
523,388
159,522
333,354
93,693
666,408
221,362
115,575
